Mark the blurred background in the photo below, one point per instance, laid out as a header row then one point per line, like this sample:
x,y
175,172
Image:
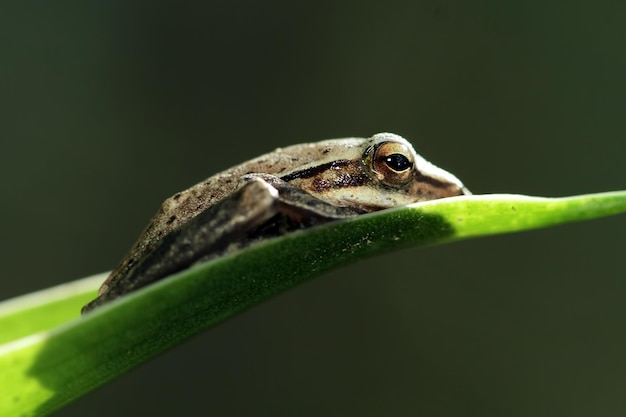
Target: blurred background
x,y
107,108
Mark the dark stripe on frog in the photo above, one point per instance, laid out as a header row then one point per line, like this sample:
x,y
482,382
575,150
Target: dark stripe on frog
x,y
342,173
357,180
316,170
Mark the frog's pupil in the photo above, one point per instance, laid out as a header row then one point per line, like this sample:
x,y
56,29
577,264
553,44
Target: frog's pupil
x,y
398,162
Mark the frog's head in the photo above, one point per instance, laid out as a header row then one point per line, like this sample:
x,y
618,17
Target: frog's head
x,y
376,173
401,176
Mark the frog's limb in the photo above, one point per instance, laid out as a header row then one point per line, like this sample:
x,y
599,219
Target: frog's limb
x,y
264,206
298,204
249,206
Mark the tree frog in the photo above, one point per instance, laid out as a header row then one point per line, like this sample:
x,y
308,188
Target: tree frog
x,y
292,188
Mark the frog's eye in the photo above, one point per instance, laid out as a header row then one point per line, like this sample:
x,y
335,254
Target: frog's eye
x,y
392,163
398,162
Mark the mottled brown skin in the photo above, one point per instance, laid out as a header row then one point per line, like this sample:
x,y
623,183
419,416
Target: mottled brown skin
x,y
303,185
186,204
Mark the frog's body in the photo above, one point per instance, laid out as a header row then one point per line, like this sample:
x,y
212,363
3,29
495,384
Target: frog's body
x,y
290,188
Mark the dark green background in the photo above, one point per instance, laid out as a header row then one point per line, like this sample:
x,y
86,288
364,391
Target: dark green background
x,y
107,108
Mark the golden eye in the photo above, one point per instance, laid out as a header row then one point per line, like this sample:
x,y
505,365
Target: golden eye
x,y
391,162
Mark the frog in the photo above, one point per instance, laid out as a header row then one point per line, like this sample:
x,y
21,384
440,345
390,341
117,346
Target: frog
x,y
281,192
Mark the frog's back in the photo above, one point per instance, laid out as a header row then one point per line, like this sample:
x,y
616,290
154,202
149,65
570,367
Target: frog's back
x,y
183,206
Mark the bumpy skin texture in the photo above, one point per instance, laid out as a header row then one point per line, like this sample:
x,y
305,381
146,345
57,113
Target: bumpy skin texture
x,y
182,206
295,187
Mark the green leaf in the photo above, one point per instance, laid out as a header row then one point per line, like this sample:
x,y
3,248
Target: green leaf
x,y
72,355
45,309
